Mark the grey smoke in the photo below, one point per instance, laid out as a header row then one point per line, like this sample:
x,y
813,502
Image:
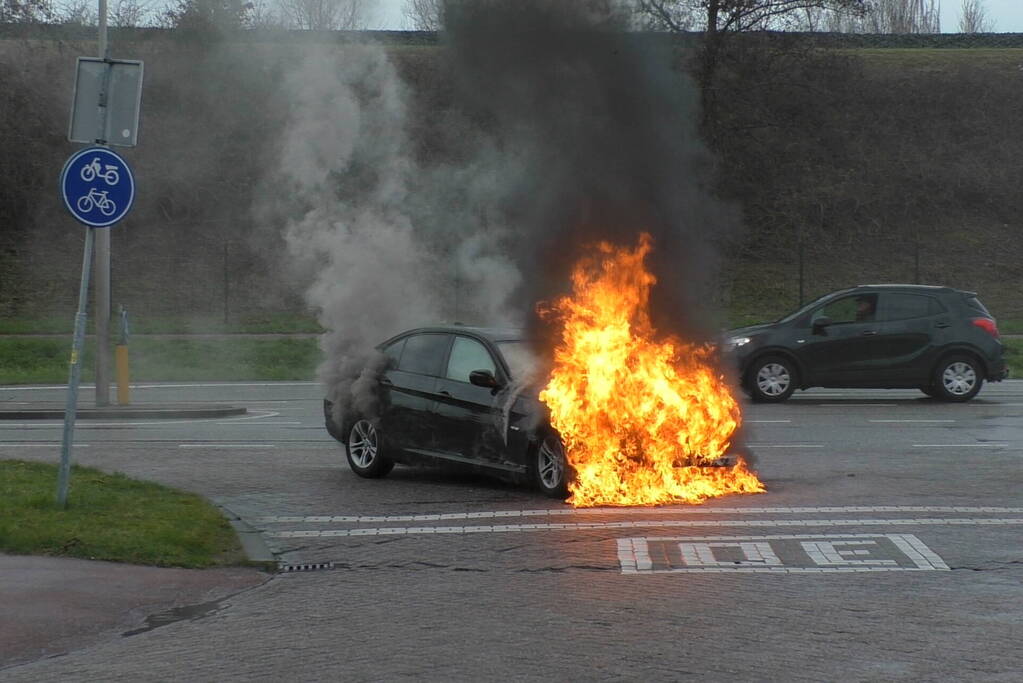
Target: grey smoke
x,y
563,130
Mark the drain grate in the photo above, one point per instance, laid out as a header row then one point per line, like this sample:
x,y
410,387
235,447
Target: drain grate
x,y
306,567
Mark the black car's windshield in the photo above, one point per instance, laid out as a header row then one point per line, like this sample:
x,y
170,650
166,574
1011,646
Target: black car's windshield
x,y
800,311
521,361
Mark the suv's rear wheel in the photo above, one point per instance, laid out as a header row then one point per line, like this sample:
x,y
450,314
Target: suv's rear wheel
x,y
957,378
364,451
771,379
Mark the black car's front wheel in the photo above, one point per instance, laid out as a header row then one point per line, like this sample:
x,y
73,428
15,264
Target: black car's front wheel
x,y
771,379
550,467
957,378
364,451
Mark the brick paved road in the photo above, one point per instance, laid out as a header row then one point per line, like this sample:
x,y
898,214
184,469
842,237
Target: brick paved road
x,y
453,577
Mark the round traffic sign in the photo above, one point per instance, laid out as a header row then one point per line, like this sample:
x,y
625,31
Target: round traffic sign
x,y
97,186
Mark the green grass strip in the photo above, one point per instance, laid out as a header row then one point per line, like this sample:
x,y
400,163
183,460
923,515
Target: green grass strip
x,y
45,361
110,517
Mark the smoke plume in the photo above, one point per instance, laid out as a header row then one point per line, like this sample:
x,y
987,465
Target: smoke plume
x,y
562,129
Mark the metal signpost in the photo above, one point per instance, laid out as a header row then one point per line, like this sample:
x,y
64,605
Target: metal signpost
x,y
97,187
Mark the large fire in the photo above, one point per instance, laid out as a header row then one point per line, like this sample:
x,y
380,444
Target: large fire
x,y
644,421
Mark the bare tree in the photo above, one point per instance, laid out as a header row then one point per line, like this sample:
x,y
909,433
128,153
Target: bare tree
x,y
425,15
323,15
25,11
973,17
131,13
903,16
717,19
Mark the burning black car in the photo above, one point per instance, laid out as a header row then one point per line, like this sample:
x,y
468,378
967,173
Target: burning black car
x,y
453,395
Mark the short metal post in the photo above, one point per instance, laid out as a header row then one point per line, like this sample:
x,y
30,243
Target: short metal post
x,y
75,372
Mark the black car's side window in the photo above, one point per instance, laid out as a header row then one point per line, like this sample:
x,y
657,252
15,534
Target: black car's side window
x,y
393,352
423,354
468,355
858,308
908,306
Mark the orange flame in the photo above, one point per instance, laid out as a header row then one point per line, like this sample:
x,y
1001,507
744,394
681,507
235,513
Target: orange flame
x,y
643,421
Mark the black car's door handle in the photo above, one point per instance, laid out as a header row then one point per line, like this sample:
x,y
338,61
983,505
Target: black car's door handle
x,y
385,381
943,324
867,333
444,393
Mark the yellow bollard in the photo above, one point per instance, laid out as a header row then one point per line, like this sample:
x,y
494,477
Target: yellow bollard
x,y
123,388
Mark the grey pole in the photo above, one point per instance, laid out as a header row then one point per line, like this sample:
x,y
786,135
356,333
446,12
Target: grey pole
x,y
74,375
102,263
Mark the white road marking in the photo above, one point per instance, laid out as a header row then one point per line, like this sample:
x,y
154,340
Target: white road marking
x,y
668,523
697,554
785,445
960,445
130,422
907,421
694,510
39,445
764,422
856,405
226,445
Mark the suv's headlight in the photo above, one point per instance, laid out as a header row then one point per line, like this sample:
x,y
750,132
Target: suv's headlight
x,y
732,343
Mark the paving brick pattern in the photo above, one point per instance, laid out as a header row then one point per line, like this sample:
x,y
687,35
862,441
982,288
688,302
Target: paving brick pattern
x,y
553,603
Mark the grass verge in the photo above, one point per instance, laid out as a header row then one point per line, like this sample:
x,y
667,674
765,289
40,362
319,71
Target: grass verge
x,y
264,323
110,517
45,361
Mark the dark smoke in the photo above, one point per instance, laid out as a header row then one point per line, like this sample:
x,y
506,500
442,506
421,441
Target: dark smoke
x,y
595,135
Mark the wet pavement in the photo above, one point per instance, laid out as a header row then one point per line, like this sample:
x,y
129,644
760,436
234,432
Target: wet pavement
x,y
887,547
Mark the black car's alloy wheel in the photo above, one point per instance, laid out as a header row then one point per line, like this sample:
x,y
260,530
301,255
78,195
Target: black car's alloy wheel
x,y
771,379
364,451
550,468
957,378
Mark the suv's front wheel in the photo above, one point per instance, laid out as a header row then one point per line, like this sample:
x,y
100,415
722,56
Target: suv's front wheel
x,y
771,379
957,378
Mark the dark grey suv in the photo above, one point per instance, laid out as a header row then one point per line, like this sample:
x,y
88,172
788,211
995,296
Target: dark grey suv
x,y
940,340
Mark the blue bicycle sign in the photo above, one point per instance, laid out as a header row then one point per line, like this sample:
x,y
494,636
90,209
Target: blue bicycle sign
x,y
97,187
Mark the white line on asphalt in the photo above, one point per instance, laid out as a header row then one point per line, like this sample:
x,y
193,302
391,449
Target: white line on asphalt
x,y
497,528
908,421
226,445
129,422
856,405
785,445
259,424
39,445
693,510
762,422
960,445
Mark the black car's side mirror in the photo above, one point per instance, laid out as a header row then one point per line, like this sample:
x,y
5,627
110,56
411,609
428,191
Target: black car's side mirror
x,y
484,378
820,323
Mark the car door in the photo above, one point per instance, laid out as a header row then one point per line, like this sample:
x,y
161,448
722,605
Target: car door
x,y
407,419
847,351
467,416
913,326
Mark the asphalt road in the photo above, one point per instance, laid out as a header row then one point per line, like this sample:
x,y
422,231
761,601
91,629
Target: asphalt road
x,y
889,546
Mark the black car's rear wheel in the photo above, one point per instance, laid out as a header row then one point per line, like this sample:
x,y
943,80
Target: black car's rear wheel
x,y
364,451
771,379
550,467
957,378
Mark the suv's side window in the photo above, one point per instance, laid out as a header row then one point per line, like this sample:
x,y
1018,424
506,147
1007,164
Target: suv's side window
x,y
468,355
423,354
908,306
857,308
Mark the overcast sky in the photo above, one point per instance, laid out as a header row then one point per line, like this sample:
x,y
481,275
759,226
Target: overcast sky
x,y
1006,14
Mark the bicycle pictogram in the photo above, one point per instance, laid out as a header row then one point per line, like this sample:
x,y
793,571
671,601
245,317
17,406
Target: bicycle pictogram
x,y
99,200
94,170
